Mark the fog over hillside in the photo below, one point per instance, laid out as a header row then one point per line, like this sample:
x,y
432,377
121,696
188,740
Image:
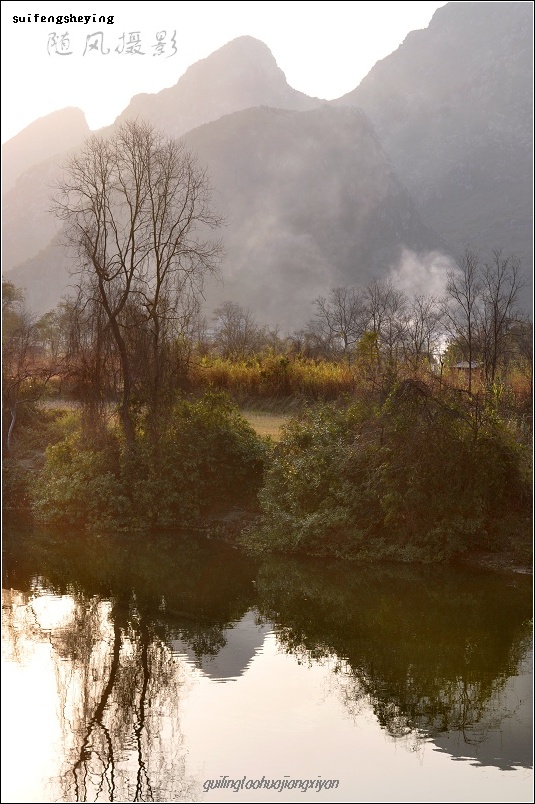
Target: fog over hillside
x,y
311,201
453,109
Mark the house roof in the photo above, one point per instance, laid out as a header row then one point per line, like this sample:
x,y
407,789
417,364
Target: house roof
x,y
464,364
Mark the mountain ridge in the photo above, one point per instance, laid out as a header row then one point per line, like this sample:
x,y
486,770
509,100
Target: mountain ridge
x,y
241,74
444,122
460,137
39,141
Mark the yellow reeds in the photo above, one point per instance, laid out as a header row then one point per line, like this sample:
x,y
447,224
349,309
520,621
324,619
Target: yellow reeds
x,y
275,377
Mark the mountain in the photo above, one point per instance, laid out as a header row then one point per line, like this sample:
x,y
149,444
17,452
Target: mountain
x,y
310,201
44,277
47,137
314,194
29,201
240,75
453,109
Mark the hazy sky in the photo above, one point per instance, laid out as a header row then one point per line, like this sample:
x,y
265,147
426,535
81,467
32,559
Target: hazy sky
x,y
325,49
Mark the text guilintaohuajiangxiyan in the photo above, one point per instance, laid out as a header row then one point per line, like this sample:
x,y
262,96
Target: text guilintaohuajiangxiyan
x,y
312,785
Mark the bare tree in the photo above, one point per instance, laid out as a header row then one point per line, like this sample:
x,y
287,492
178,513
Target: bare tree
x,y
137,210
501,283
341,319
462,309
236,333
310,342
386,314
92,370
423,329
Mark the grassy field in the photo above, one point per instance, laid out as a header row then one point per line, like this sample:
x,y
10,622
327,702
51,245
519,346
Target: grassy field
x,y
266,424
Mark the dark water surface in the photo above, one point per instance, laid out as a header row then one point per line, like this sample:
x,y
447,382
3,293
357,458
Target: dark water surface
x,y
149,669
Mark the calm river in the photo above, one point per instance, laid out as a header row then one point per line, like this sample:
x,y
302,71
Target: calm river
x,y
156,669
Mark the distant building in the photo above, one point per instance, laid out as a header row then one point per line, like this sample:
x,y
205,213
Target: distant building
x,y
464,365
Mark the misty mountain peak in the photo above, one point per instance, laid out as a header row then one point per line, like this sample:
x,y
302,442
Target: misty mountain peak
x,y
69,119
244,70
453,109
240,75
243,53
47,136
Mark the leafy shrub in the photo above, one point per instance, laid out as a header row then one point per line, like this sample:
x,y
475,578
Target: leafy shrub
x,y
206,458
420,477
200,458
15,489
81,486
35,428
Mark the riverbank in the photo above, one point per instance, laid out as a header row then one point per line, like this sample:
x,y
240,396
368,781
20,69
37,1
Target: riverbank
x,y
229,527
423,478
504,561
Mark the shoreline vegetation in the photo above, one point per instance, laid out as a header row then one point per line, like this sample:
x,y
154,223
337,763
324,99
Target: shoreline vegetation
x,y
423,473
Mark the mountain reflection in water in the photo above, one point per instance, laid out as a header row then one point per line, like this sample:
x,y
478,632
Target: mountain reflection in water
x,y
126,626
240,643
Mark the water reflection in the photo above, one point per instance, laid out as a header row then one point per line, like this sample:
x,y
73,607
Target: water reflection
x,y
437,653
431,648
118,679
114,677
238,646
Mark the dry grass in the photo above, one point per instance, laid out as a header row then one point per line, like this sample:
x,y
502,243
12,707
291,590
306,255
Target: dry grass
x,y
272,377
266,424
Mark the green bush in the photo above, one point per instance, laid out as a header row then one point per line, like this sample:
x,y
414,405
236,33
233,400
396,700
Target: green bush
x,y
419,478
202,458
81,486
206,459
15,489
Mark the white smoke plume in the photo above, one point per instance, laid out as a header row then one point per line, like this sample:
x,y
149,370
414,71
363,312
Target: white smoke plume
x,y
422,273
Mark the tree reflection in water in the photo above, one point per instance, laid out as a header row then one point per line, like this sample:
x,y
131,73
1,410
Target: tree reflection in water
x,y
119,689
119,683
430,648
